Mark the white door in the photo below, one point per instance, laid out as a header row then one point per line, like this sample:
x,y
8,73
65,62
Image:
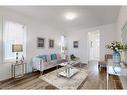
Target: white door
x,y
94,45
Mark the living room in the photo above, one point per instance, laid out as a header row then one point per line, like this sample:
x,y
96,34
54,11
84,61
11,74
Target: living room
x,y
62,30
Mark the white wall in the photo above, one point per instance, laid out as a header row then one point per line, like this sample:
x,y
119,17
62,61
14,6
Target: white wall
x,y
107,34
34,29
122,19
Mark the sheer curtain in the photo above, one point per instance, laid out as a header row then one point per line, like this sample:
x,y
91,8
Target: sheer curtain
x,y
14,33
62,43
63,47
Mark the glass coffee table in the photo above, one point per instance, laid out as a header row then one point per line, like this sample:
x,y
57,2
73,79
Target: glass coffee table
x,y
69,70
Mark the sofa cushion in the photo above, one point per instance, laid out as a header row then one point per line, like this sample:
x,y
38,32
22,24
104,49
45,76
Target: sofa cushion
x,y
53,57
58,57
44,57
39,56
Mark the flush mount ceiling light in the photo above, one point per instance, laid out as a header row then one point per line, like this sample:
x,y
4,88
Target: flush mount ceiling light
x,y
70,16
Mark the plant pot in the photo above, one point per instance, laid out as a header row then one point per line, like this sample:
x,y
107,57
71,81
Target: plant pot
x,y
116,57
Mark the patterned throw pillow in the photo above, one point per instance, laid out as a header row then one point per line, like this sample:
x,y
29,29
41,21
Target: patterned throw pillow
x,y
53,57
44,57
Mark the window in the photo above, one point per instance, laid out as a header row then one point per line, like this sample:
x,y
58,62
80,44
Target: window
x,y
63,47
14,33
62,43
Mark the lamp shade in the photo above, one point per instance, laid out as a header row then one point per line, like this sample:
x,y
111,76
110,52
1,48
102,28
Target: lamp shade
x,y
17,47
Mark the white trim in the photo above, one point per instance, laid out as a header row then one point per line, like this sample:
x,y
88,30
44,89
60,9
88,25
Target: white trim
x,y
3,44
25,39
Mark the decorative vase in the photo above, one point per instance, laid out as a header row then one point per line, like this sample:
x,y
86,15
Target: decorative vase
x,y
116,57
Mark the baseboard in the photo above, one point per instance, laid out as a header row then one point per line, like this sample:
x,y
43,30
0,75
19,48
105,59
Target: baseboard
x,y
12,78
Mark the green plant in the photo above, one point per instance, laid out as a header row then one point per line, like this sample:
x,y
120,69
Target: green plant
x,y
116,46
73,57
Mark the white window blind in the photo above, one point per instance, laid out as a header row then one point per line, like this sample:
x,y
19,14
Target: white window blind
x,y
14,33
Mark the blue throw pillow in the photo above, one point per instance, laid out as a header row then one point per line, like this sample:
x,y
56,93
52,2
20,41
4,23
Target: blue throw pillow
x,y
53,57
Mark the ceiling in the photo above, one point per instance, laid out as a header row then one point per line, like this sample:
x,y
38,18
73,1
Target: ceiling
x,y
87,16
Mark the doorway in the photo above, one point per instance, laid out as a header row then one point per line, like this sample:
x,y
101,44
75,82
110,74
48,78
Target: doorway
x,y
94,45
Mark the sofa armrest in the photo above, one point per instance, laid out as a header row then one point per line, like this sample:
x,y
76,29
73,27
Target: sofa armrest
x,y
37,63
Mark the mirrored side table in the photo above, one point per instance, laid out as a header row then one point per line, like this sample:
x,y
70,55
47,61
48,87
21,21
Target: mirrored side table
x,y
115,69
18,69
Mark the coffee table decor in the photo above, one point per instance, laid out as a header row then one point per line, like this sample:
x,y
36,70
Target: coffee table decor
x,y
69,72
73,82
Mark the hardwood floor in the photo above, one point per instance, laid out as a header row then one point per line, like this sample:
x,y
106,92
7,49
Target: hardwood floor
x,y
96,80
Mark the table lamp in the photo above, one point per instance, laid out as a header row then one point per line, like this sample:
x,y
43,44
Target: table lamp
x,y
17,48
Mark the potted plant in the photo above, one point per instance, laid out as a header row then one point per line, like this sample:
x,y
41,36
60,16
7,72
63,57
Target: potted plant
x,y
73,57
117,47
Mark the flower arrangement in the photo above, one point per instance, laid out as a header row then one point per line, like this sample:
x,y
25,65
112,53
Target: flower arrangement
x,y
116,46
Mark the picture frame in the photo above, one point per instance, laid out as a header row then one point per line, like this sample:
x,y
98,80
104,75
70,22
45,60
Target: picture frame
x,y
40,42
75,44
51,43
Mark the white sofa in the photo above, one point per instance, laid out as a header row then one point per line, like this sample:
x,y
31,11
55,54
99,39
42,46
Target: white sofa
x,y
41,64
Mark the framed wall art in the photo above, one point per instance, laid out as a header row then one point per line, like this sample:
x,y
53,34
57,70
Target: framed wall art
x,y
75,44
40,42
51,43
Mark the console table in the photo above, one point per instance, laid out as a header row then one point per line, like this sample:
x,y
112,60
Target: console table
x,y
18,69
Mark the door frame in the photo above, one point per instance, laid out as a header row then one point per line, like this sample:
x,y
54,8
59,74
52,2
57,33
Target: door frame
x,y
89,43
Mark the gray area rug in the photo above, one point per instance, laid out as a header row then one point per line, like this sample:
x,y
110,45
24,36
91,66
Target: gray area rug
x,y
64,83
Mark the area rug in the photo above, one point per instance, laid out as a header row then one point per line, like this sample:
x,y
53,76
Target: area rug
x,y
60,82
